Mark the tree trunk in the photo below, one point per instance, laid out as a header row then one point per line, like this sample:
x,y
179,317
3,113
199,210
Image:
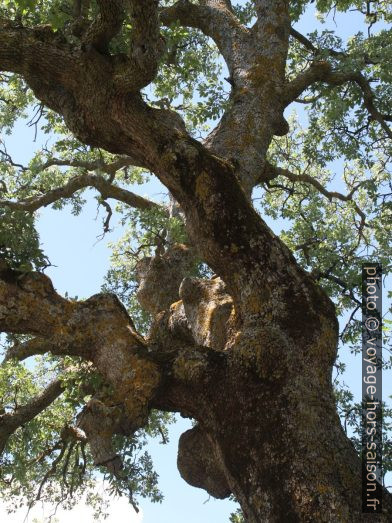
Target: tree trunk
x,y
269,433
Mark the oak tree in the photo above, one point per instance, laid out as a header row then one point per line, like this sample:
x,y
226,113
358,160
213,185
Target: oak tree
x,y
206,311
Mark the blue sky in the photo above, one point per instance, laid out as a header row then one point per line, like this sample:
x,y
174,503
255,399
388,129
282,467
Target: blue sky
x,y
80,263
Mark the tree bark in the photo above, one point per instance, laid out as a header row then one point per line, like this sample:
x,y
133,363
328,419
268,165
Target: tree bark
x,y
248,355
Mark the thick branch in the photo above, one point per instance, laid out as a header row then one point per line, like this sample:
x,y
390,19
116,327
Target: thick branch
x,y
21,47
98,329
318,71
216,20
257,77
91,91
30,305
106,25
147,44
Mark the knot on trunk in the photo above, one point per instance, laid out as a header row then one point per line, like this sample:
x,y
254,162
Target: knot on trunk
x,y
159,277
198,464
209,311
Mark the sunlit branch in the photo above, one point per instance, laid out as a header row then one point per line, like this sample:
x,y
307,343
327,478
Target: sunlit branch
x,y
30,305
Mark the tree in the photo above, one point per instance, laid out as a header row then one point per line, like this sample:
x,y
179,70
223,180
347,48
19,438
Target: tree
x,y
230,325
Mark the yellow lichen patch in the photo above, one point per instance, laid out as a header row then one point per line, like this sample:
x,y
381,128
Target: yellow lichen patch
x,y
254,305
70,306
176,305
189,367
134,380
206,311
234,248
322,489
203,186
231,329
262,72
219,323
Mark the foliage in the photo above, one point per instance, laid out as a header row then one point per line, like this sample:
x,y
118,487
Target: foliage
x,y
42,461
237,517
19,242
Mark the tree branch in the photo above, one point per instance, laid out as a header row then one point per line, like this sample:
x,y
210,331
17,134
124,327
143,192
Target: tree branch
x,y
216,20
147,44
107,24
274,171
318,71
21,351
257,73
329,50
30,305
93,93
350,291
16,56
311,47
106,189
322,72
9,422
100,330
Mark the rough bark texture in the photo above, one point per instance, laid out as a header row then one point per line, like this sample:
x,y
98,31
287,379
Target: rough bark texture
x,y
247,354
